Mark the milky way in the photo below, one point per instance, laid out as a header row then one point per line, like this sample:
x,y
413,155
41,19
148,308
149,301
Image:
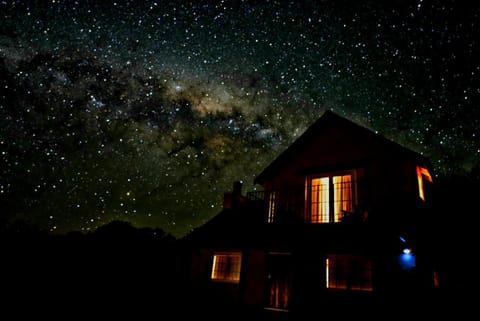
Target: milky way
x,y
148,111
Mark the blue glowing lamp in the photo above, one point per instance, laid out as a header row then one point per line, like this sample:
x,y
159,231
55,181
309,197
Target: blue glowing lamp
x,y
407,259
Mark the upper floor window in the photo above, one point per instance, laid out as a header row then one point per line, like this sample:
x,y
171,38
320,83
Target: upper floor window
x,y
327,197
348,272
226,267
271,198
422,174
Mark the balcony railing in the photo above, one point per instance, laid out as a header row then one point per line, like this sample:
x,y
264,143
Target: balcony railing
x,y
313,204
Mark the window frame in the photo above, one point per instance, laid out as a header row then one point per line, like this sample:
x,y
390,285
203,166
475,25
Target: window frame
x,y
220,273
332,218
344,271
272,208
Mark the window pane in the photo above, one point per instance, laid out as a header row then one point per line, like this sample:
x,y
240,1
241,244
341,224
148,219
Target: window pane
x,y
271,207
343,196
320,195
348,272
336,273
226,267
327,198
360,274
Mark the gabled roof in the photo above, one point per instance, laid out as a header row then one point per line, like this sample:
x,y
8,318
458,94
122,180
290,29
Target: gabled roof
x,y
327,120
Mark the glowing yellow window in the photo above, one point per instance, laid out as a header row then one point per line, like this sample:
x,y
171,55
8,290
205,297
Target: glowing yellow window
x,y
226,267
326,198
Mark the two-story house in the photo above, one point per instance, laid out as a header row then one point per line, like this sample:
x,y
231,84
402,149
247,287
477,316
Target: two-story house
x,y
340,217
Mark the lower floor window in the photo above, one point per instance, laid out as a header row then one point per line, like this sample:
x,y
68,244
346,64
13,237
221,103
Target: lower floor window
x,y
226,266
348,272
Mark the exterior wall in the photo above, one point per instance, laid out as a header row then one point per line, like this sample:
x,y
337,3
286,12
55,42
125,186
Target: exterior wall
x,y
200,268
225,293
253,278
309,285
336,148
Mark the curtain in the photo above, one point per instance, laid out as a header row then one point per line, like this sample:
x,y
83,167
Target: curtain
x,y
342,187
320,194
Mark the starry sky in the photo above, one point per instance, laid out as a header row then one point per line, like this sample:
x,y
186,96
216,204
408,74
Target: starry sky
x,y
147,111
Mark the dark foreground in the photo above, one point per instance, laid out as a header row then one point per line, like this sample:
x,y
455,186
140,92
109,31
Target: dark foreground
x,y
145,278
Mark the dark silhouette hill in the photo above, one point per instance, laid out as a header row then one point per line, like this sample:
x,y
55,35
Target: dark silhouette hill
x,y
115,268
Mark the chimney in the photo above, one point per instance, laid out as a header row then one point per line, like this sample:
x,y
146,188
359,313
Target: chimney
x,y
237,188
233,198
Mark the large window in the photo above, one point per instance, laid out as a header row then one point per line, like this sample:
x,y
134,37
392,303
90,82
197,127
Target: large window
x,y
226,267
348,272
328,197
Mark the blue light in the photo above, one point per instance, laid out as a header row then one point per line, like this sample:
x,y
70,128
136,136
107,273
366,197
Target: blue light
x,y
407,260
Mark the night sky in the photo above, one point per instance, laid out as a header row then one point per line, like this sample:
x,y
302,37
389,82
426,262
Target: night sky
x,y
147,111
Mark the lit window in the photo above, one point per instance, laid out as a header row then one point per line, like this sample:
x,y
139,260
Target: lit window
x,y
328,197
348,272
422,173
271,207
226,267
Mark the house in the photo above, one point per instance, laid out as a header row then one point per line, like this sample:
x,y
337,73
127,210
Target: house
x,y
342,216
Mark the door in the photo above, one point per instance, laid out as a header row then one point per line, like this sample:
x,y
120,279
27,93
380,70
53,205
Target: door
x,y
279,281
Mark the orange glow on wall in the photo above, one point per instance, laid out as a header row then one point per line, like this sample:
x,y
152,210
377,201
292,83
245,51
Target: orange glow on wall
x,y
422,172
